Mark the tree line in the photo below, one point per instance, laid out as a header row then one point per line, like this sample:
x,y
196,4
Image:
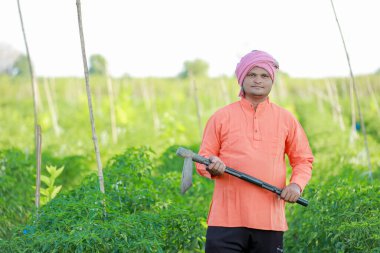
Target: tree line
x,y
15,63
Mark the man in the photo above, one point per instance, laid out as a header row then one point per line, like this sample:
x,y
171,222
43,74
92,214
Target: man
x,y
253,135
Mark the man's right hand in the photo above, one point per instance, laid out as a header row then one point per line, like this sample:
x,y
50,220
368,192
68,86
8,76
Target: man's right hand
x,y
217,167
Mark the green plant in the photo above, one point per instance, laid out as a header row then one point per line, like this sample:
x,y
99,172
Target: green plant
x,y
142,214
342,217
51,189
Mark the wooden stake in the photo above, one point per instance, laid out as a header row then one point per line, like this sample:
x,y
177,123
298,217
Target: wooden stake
x,y
112,107
338,108
89,100
145,95
320,99
282,89
153,104
372,93
356,96
53,112
331,100
354,133
197,104
34,83
38,167
225,94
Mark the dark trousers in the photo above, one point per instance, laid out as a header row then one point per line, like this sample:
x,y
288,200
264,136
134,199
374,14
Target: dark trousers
x,y
241,239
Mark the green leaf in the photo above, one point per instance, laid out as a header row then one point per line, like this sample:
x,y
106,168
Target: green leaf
x,y
55,191
46,180
45,192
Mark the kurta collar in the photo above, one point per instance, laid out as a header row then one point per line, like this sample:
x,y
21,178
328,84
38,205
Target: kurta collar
x,y
248,106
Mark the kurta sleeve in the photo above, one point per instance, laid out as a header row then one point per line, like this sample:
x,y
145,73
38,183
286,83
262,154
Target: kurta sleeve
x,y
300,155
211,143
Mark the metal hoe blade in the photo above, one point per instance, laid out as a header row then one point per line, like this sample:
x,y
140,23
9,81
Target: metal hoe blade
x,y
187,175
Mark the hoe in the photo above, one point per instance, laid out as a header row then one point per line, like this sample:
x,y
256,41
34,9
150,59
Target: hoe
x,y
187,173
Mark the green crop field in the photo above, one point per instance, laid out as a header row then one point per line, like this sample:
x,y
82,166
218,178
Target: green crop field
x,y
140,123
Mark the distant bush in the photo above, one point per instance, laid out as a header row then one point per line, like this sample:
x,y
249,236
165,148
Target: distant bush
x,y
143,214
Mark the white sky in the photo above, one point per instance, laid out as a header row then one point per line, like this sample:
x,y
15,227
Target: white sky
x,y
154,38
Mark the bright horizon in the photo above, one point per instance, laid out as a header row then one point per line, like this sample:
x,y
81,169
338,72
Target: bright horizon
x,y
154,38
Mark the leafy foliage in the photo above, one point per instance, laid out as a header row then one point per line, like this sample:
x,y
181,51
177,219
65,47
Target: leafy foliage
x,y
143,214
17,179
343,217
16,192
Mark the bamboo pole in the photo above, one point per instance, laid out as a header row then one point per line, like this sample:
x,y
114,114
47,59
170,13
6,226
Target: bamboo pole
x,y
373,96
38,167
153,104
197,104
345,89
149,103
34,82
338,108
98,95
111,97
331,100
225,93
281,88
40,104
37,128
319,98
92,120
353,134
356,96
53,111
145,94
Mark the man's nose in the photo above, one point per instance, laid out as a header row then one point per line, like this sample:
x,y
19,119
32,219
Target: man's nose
x,y
257,79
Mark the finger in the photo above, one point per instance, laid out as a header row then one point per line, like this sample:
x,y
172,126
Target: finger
x,y
212,172
291,198
214,159
223,168
218,168
213,169
287,196
296,197
283,193
210,169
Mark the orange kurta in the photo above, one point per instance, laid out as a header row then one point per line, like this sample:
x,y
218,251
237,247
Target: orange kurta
x,y
254,142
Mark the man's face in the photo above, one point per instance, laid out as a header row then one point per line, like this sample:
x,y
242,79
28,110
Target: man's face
x,y
257,83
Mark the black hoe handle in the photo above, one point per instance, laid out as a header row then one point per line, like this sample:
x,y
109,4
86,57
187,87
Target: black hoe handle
x,y
200,159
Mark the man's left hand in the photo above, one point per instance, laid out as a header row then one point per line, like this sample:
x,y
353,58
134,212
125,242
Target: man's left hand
x,y
291,193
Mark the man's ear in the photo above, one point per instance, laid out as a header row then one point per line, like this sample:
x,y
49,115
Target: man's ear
x,y
242,90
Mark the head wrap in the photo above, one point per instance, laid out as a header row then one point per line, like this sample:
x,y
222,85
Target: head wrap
x,y
253,59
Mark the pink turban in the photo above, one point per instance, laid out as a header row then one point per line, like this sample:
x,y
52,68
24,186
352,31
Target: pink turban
x,y
253,59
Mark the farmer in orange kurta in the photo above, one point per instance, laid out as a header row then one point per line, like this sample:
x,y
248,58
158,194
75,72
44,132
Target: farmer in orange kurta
x,y
252,136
